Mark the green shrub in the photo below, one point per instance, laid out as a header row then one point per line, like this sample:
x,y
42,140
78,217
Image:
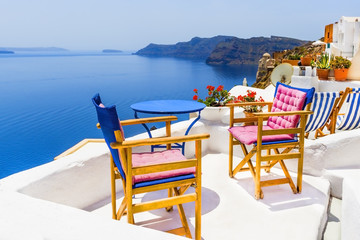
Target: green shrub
x,y
340,62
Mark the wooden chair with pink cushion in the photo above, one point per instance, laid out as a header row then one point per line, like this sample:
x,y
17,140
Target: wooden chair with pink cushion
x,y
282,137
151,171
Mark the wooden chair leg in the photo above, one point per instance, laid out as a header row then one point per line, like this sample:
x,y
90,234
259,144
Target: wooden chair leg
x,y
130,215
252,170
231,152
286,172
240,166
268,162
198,213
299,176
113,188
170,194
122,209
257,176
129,197
182,216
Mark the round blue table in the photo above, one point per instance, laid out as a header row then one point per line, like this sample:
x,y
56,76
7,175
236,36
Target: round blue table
x,y
169,107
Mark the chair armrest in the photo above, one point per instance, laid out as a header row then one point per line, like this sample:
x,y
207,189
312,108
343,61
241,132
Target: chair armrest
x,y
295,130
160,140
144,120
148,120
270,114
248,104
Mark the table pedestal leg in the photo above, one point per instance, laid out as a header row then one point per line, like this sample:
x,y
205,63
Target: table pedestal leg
x,y
182,146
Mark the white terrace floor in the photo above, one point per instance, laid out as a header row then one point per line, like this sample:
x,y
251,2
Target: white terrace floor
x,y
80,184
229,210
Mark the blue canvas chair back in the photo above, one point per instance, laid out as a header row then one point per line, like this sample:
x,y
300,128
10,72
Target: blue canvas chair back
x,y
351,119
323,104
109,122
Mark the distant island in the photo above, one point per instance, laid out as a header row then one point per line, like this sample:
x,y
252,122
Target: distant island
x,y
223,50
111,51
6,52
33,49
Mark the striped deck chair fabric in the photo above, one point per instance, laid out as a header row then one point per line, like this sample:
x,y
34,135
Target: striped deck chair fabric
x,y
351,119
323,104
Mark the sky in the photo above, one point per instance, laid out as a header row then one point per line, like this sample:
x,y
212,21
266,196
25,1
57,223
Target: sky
x,y
130,25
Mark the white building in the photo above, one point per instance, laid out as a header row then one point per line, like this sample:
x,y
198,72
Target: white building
x,y
343,37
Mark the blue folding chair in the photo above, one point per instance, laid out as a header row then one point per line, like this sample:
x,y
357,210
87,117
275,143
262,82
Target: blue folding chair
x,y
323,105
351,118
151,171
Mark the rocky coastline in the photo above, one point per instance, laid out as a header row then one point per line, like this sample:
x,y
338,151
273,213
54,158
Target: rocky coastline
x,y
222,50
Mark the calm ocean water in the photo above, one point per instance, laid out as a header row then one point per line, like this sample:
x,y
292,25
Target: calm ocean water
x,y
46,98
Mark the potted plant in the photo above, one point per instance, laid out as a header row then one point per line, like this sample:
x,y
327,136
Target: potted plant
x,y
341,67
216,97
215,102
293,59
306,60
249,110
322,65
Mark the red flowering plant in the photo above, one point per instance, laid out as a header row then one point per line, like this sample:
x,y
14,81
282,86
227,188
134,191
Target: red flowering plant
x,y
216,97
249,97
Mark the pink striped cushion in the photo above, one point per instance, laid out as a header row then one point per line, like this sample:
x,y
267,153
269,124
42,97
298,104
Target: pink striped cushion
x,y
248,134
286,99
167,156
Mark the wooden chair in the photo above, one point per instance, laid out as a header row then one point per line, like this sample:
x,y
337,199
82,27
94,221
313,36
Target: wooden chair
x,y
151,171
281,131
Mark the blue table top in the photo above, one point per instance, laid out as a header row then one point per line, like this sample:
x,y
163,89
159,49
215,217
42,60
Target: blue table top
x,y
168,106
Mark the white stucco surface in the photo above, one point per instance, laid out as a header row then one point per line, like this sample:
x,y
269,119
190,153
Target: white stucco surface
x,y
350,221
24,217
267,94
336,178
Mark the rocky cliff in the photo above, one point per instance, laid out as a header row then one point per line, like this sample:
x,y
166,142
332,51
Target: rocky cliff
x,y
263,75
249,51
196,48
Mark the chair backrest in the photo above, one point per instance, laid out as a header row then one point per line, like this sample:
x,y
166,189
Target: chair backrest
x,y
288,98
351,119
322,106
109,123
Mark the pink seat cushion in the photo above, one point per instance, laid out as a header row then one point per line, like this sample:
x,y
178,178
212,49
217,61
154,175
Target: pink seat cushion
x,y
248,134
167,156
286,99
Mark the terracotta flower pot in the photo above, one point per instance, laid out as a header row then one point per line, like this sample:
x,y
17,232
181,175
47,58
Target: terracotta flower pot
x,y
250,115
292,62
305,61
341,74
323,74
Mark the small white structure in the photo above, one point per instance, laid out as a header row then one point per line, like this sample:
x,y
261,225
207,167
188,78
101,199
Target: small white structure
x,y
343,36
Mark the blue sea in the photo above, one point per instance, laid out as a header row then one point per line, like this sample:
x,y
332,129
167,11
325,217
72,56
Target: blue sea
x,y
46,103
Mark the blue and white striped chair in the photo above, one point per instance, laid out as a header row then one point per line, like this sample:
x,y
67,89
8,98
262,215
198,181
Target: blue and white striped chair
x,y
351,118
322,106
